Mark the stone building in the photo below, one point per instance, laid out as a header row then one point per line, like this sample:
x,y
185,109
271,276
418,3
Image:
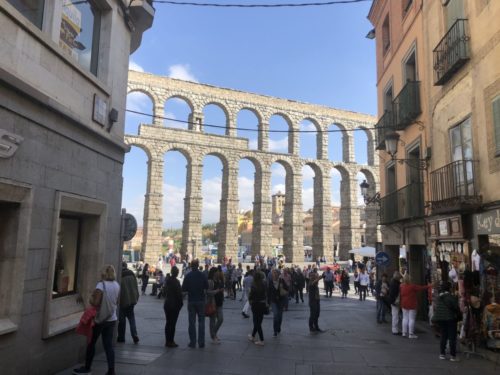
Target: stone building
x,y
195,143
63,77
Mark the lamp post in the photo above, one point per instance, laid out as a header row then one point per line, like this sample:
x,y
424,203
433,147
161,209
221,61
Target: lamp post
x,y
364,192
391,146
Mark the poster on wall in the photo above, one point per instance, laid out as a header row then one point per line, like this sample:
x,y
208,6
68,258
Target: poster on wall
x,y
71,22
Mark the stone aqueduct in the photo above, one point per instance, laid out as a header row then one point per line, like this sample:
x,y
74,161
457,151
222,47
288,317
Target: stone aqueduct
x,y
156,139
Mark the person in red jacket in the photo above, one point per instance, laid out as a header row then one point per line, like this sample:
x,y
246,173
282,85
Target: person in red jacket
x,y
408,300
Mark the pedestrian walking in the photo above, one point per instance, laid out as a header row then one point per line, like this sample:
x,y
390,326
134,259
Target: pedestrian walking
x,y
215,295
258,300
172,306
129,295
105,299
446,317
247,285
382,295
408,299
328,281
195,285
298,285
394,301
314,302
364,281
144,278
277,297
356,282
344,283
239,276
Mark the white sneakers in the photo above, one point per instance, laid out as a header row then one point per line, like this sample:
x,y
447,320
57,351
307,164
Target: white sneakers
x,y
413,336
251,338
259,343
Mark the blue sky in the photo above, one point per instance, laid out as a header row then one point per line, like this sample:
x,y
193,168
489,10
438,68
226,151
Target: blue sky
x,y
317,55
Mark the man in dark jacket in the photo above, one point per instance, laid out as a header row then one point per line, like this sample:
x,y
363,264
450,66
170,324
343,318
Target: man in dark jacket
x,y
394,301
195,284
129,295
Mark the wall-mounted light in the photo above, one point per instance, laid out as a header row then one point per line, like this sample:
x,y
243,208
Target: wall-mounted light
x,y
371,34
364,192
391,146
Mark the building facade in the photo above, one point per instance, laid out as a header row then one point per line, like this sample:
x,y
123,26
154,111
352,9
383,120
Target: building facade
x,y
403,115
63,79
463,62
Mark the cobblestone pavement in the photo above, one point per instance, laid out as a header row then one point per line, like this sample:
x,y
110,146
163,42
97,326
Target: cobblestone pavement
x,y
352,344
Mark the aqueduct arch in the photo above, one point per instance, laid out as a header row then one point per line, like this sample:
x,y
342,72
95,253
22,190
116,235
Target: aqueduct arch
x,y
196,144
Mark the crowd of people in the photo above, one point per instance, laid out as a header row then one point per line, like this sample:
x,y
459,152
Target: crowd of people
x,y
265,289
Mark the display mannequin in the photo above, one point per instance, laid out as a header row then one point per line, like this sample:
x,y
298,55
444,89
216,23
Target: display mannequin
x,y
476,258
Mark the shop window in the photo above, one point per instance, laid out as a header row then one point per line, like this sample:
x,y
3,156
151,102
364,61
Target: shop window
x,y
15,214
79,32
386,35
31,9
66,267
496,123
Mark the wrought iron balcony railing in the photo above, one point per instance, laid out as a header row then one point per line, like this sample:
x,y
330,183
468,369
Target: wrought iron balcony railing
x,y
384,126
454,187
403,204
451,52
407,105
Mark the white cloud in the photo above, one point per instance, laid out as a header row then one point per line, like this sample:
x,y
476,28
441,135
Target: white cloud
x,y
280,145
173,205
140,102
278,170
171,123
308,198
309,126
181,71
278,188
307,173
134,66
253,144
211,192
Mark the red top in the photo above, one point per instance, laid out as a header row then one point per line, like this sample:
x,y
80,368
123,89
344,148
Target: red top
x,y
408,296
86,325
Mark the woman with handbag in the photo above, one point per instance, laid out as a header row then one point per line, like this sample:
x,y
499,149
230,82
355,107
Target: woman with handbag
x,y
215,300
446,316
105,299
172,306
258,301
278,297
409,302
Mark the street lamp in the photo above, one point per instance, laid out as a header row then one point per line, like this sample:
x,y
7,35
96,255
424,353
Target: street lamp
x,y
364,192
391,146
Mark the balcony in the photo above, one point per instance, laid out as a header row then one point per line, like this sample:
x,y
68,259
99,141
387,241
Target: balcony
x,y
384,126
453,187
452,52
403,204
407,105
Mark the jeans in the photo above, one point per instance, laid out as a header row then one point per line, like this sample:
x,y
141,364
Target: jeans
x,y
362,292
299,293
328,288
314,316
258,316
277,308
196,309
381,307
409,321
124,314
216,321
171,315
448,330
395,318
246,307
106,330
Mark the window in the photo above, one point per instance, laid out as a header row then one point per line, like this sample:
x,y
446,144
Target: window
x,y
66,267
79,33
391,178
454,11
406,6
496,123
410,67
31,9
461,152
386,35
388,96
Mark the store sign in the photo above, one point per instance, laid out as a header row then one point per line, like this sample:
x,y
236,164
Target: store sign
x,y
488,222
9,142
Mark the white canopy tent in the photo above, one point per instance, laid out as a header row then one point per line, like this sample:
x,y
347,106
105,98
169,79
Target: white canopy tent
x,y
369,252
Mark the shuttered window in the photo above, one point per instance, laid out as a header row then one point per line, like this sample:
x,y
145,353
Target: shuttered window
x,y
454,11
496,123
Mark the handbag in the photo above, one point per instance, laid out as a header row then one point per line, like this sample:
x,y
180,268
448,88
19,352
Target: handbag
x,y
105,309
210,309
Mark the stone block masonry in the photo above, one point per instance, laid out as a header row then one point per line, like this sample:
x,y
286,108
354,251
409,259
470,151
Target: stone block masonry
x,y
156,139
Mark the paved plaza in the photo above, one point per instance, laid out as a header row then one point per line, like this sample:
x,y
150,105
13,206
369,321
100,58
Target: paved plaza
x,y
352,344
